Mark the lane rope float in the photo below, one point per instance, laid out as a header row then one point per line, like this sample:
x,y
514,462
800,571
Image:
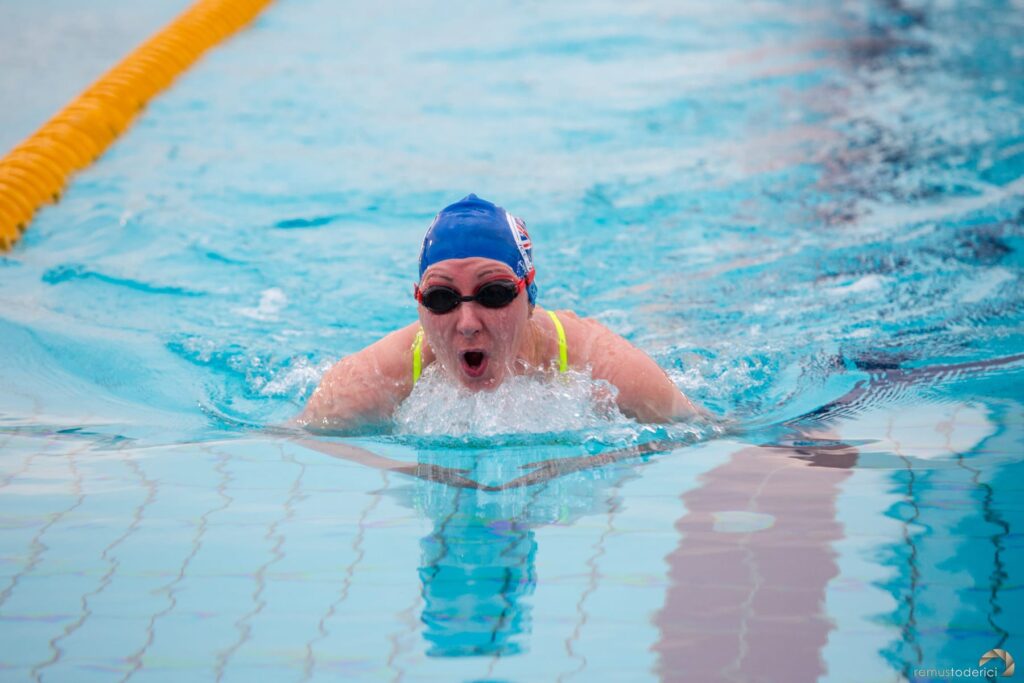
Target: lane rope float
x,y
36,171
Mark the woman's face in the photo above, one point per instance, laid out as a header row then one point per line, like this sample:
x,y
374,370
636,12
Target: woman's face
x,y
475,344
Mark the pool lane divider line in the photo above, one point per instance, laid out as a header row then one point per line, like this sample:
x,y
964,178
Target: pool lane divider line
x,y
36,171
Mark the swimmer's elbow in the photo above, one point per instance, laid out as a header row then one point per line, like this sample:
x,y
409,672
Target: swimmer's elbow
x,y
660,413
318,411
685,409
334,413
349,397
658,402
333,419
328,404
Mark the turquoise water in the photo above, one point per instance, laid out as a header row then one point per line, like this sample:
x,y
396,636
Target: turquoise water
x,y
812,216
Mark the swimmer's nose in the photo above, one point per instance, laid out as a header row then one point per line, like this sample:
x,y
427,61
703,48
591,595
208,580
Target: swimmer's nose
x,y
468,322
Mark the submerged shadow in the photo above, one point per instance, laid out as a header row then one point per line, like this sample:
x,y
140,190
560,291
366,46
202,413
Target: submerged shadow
x,y
478,563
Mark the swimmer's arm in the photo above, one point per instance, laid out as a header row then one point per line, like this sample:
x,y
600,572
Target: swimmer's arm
x,y
546,470
645,391
365,387
427,471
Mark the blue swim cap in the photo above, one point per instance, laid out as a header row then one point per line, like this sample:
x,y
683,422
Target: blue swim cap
x,y
475,227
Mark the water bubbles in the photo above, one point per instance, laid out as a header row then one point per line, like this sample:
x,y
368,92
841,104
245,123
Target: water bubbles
x,y
272,302
522,404
296,380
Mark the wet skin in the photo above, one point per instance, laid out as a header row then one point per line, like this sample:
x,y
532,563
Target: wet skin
x,y
478,347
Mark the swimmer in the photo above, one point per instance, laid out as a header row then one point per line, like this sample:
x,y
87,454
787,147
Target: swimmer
x,y
479,322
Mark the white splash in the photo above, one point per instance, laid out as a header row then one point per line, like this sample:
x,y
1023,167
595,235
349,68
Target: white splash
x,y
296,380
522,404
272,301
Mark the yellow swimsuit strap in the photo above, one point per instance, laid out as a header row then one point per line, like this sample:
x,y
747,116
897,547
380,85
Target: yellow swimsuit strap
x,y
563,349
417,356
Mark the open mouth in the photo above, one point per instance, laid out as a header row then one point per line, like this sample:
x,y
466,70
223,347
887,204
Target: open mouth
x,y
473,362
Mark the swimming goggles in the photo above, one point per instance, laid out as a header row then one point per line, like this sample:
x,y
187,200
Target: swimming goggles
x,y
497,294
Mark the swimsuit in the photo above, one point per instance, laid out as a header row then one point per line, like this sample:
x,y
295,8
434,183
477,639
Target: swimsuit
x,y
563,349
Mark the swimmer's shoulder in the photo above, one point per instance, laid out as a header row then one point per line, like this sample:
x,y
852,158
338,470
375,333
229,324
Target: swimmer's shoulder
x,y
387,358
645,391
580,334
365,386
576,324
593,344
394,353
402,337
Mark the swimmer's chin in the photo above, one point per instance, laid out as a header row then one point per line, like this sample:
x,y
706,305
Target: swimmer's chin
x,y
474,384
475,370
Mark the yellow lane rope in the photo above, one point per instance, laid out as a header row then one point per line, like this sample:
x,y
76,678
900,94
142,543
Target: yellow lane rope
x,y
36,171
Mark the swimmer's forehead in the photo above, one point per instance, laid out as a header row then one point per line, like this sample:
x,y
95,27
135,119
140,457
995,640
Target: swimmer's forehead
x,y
476,267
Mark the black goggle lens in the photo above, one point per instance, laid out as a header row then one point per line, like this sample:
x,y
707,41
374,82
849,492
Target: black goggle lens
x,y
440,299
497,294
491,295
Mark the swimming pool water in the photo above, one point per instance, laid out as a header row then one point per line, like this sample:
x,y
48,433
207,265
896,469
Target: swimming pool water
x,y
811,215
